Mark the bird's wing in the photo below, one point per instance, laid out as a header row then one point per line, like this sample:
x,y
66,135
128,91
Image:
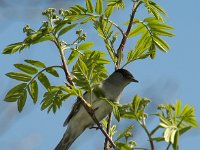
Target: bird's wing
x,y
75,109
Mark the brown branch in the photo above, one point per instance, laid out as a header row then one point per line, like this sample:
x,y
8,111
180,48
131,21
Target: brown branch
x,y
125,36
106,143
87,107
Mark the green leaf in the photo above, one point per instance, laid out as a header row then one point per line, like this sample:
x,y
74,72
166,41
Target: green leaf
x,y
178,107
99,7
125,133
66,29
152,51
85,46
44,80
161,44
109,10
14,93
22,100
52,71
12,48
35,63
137,30
33,91
26,68
154,25
90,7
123,146
19,76
72,56
158,31
61,25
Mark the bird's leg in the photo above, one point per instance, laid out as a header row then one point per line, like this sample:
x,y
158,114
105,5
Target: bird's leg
x,y
96,127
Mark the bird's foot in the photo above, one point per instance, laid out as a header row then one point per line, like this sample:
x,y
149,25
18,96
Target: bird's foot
x,y
96,127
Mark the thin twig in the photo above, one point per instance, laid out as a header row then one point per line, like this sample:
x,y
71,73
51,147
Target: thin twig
x,y
117,65
87,107
125,36
106,143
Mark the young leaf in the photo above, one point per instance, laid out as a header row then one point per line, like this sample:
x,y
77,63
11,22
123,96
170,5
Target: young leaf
x,y
12,48
137,30
19,76
162,44
22,100
72,56
66,29
14,93
35,63
162,32
52,71
90,7
99,7
109,10
33,91
26,68
44,80
86,46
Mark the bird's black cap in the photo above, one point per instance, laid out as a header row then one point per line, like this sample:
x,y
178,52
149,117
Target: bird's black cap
x,y
127,74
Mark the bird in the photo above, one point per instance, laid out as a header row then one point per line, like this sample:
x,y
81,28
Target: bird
x,y
78,120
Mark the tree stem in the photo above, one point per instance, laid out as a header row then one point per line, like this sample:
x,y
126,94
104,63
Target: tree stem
x,y
106,144
125,36
88,108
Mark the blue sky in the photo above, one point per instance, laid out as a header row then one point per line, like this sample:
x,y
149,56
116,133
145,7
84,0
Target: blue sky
x,y
167,78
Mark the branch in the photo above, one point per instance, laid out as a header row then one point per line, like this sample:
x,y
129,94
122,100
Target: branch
x,y
106,144
147,132
87,107
125,36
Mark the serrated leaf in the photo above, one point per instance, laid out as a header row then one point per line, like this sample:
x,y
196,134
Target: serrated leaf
x,y
12,48
99,7
154,25
26,68
90,7
85,46
35,63
44,80
162,45
158,31
137,30
61,25
14,93
33,91
178,107
152,51
19,76
52,71
72,56
109,10
66,29
22,100
124,133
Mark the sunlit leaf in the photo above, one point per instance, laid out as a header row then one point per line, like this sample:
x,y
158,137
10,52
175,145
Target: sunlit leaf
x,y
99,6
52,71
19,76
35,63
26,68
33,90
14,93
85,46
90,7
44,80
66,29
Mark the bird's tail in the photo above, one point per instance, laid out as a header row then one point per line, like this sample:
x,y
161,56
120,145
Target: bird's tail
x,y
68,138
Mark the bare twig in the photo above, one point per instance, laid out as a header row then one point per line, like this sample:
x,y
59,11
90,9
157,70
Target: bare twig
x,y
125,36
87,106
106,144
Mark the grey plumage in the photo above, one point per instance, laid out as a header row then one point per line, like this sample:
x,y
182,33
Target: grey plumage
x,y
78,120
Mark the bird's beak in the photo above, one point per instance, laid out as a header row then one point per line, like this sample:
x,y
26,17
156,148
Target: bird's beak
x,y
134,80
